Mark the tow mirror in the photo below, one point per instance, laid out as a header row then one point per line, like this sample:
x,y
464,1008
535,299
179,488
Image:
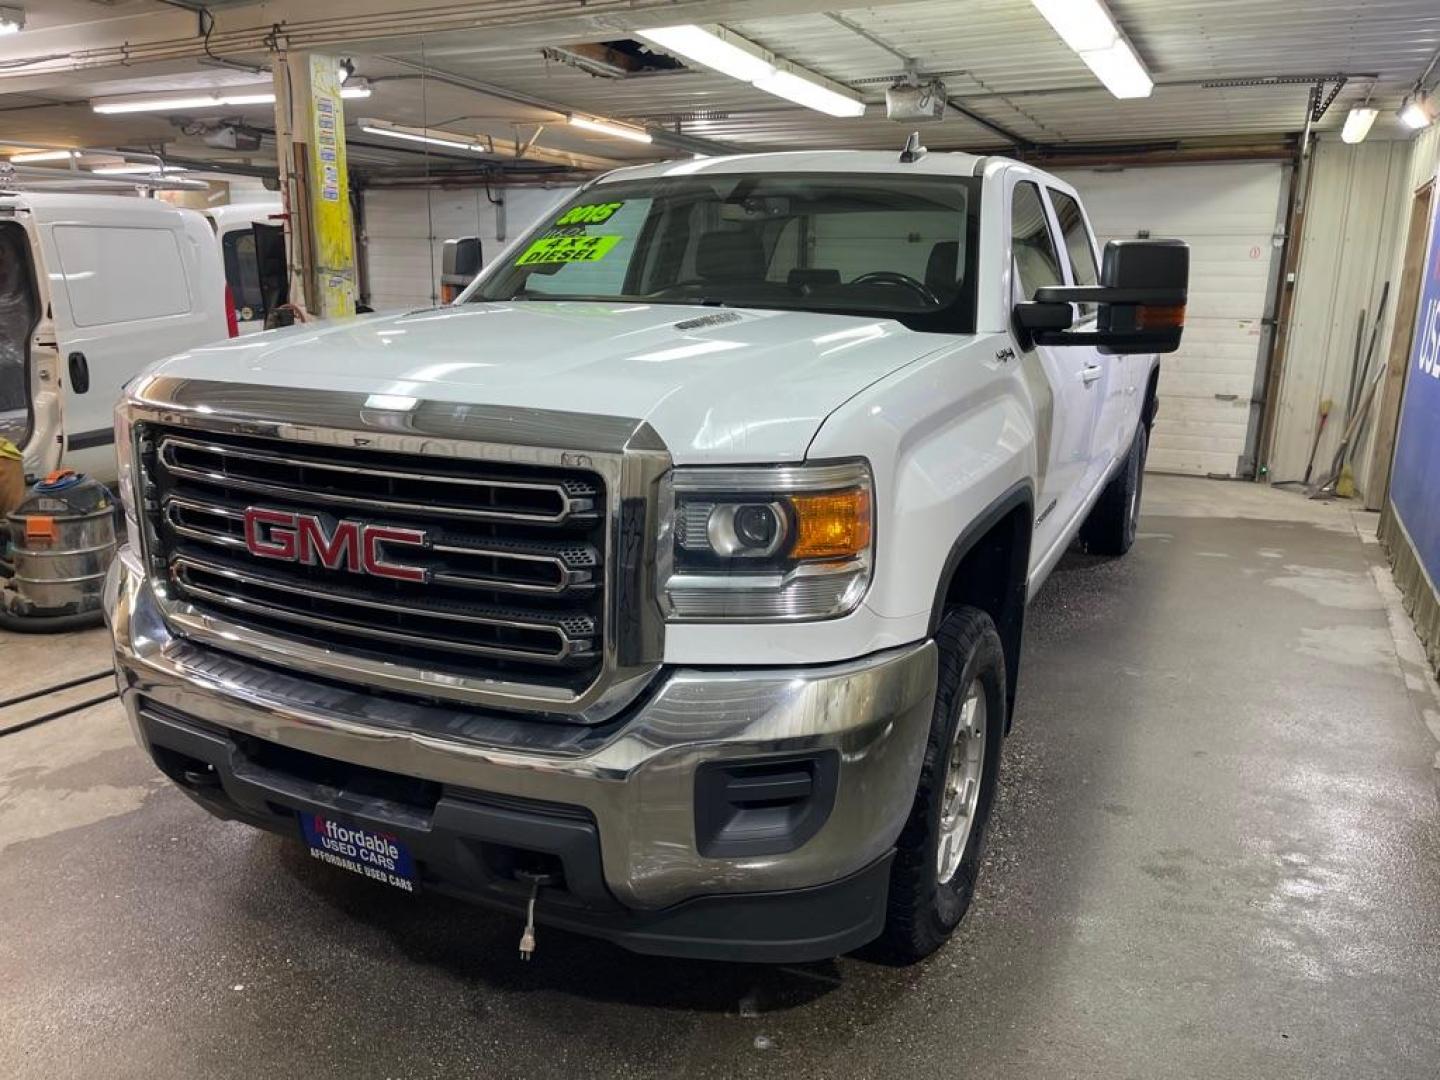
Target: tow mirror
x,y
459,263
1144,285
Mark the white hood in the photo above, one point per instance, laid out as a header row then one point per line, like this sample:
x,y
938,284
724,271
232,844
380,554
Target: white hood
x,y
717,384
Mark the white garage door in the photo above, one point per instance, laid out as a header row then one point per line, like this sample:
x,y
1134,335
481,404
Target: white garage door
x,y
406,230
1231,216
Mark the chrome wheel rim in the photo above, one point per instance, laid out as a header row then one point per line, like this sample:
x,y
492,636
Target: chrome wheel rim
x,y
964,766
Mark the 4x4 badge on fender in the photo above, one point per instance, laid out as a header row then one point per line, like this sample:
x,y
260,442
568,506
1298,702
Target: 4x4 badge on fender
x,y
351,545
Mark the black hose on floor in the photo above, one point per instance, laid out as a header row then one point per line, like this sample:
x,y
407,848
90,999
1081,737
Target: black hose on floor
x,y
57,714
50,624
31,695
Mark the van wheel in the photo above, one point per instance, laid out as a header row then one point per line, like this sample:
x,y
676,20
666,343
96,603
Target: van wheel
x,y
938,854
1110,529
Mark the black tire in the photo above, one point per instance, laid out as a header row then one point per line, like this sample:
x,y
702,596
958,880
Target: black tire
x,y
1115,518
923,911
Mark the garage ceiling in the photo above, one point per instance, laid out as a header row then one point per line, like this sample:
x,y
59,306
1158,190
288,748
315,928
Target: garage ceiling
x,y
1002,64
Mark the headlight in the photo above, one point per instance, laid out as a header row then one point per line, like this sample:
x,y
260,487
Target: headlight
x,y
125,457
768,544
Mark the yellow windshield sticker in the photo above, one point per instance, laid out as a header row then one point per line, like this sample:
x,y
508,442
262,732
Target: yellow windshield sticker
x,y
567,249
589,214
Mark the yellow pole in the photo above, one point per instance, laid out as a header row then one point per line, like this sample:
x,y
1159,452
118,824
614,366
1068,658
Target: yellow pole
x,y
310,133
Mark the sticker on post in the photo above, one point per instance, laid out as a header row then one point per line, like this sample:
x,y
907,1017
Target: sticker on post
x,y
589,214
567,249
375,855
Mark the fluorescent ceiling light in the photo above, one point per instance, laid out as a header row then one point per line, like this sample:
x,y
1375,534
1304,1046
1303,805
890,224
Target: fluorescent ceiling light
x,y
422,135
605,127
730,54
1358,124
41,155
1415,112
725,54
1087,27
1120,70
246,95
152,104
135,169
812,95
1084,25
12,20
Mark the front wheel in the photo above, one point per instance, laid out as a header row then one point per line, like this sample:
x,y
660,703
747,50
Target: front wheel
x,y
1114,520
937,857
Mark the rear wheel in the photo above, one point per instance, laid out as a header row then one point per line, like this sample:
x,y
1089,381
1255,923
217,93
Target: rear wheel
x,y
938,854
1110,529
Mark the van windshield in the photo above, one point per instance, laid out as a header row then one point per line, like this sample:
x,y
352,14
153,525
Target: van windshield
x,y
896,246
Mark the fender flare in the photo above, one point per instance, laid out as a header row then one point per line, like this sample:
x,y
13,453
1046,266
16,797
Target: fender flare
x,y
1150,407
1017,496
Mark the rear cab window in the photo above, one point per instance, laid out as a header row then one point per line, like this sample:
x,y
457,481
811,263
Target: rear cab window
x,y
1077,243
1032,246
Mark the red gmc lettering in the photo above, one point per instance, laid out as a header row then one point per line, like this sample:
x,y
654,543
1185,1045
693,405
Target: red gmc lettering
x,y
280,544
375,535
350,545
338,551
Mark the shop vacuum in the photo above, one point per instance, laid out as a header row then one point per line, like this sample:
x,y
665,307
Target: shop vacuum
x,y
55,548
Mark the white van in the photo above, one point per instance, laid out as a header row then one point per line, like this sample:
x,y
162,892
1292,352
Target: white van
x,y
92,289
234,229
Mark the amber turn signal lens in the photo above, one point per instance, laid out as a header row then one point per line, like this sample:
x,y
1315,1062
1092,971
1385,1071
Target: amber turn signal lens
x,y
1160,318
831,526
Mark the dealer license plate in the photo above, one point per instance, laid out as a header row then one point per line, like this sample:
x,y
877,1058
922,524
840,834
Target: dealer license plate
x,y
374,855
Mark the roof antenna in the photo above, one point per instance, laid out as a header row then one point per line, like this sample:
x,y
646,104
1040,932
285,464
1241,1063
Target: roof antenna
x,y
913,150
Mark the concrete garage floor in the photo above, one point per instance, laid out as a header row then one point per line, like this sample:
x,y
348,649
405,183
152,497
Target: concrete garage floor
x,y
1217,853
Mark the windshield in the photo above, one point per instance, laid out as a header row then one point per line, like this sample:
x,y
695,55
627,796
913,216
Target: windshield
x,y
895,246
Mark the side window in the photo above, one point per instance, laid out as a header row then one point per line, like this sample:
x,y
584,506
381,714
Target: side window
x,y
1077,242
120,274
242,273
1036,262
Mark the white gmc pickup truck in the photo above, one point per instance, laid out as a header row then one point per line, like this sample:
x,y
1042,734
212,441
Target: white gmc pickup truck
x,y
668,586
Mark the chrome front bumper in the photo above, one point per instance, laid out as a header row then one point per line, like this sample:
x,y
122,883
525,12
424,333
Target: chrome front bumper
x,y
638,782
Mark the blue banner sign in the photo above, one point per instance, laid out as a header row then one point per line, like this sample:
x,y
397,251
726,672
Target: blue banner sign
x,y
1415,483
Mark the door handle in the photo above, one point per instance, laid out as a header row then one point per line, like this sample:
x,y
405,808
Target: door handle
x,y
79,373
1090,372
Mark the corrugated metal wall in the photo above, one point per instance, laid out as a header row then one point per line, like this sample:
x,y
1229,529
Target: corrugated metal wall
x,y
1424,161
1352,221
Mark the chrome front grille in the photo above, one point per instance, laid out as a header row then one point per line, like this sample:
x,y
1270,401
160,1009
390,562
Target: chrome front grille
x,y
319,476
506,557
512,557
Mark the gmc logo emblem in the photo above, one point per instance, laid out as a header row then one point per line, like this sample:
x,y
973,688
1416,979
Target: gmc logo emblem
x,y
351,545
